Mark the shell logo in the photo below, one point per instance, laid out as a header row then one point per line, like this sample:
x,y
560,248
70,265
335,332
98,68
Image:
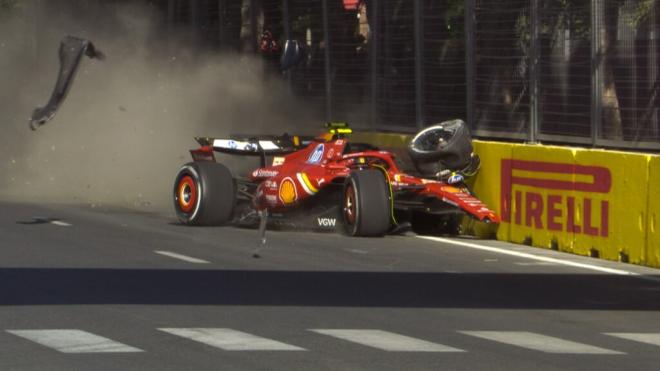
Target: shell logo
x,y
288,193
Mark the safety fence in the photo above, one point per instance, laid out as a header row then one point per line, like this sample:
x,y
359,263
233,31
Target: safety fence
x,y
589,202
553,71
568,71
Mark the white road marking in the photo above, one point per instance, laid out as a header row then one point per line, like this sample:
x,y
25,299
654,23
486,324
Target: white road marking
x,y
387,341
531,256
188,259
74,341
546,344
529,264
229,339
60,223
648,338
357,251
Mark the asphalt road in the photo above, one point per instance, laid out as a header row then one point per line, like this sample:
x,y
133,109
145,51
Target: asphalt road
x,y
95,289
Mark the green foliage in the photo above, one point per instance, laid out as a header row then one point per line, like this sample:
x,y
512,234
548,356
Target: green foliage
x,y
454,18
642,12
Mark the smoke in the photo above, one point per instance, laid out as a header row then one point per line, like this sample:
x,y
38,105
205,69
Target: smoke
x,y
129,121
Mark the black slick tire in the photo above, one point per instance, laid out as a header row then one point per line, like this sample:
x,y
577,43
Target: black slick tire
x,y
204,194
366,203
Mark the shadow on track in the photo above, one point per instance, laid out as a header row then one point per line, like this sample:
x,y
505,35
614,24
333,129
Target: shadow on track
x,y
37,286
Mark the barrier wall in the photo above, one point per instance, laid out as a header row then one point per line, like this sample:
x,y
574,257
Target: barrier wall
x,y
653,231
487,186
597,203
619,217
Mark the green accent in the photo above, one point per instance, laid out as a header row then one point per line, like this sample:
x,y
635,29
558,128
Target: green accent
x,y
389,185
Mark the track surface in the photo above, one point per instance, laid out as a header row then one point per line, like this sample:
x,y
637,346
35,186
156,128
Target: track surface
x,y
132,290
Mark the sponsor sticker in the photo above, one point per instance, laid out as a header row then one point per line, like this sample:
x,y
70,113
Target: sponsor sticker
x,y
556,196
270,184
278,161
288,193
456,178
316,155
271,199
451,189
268,145
264,173
326,222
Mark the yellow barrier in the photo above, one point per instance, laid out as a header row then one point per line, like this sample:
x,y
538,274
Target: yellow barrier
x,y
538,185
590,202
653,231
614,221
487,184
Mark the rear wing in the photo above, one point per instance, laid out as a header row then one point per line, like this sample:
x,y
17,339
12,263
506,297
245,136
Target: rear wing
x,y
264,145
257,146
261,146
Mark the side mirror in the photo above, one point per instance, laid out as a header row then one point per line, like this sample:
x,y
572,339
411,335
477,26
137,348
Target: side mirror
x,y
291,56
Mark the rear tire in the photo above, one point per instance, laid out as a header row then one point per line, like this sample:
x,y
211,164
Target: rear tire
x,y
366,204
204,194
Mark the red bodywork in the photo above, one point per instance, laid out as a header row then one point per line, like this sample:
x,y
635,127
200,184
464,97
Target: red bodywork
x,y
294,177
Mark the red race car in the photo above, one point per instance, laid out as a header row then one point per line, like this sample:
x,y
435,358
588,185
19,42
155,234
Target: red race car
x,y
328,182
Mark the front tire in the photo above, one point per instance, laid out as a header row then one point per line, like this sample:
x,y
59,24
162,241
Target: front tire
x,y
366,205
204,194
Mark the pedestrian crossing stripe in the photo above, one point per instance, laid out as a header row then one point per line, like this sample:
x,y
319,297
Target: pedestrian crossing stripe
x,y
228,339
648,338
542,343
74,341
385,340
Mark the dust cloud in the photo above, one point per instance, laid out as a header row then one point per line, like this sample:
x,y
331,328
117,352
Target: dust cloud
x,y
129,121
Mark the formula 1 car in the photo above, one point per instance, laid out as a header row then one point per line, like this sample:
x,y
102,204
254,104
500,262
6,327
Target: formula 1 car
x,y
329,182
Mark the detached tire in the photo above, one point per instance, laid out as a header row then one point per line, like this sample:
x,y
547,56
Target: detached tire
x,y
204,194
366,204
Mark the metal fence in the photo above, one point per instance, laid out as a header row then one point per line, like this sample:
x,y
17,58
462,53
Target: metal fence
x,y
566,71
561,71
